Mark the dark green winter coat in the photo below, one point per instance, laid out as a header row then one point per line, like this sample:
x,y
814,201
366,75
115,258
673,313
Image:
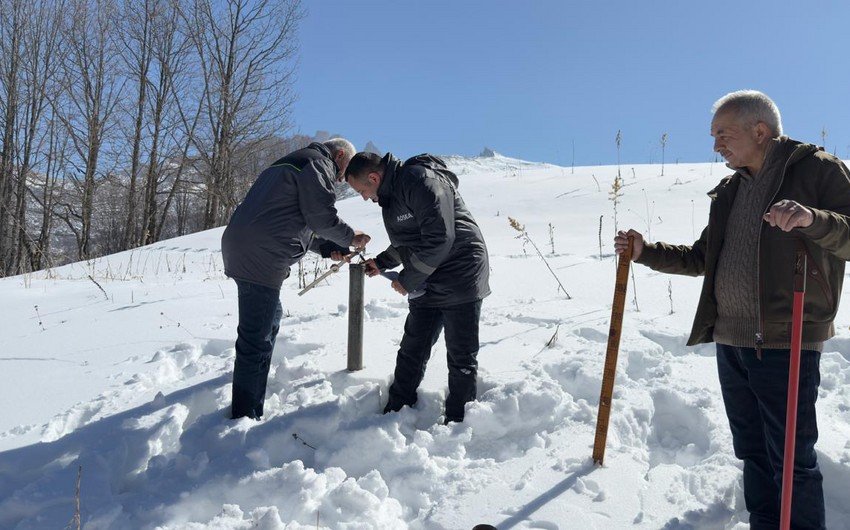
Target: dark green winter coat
x,y
814,179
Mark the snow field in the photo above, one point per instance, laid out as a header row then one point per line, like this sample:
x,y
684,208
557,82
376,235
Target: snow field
x,y
129,378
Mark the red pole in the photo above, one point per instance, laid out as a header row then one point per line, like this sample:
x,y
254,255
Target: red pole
x,y
793,388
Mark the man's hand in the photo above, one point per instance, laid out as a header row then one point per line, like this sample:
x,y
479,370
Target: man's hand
x,y
360,240
337,255
398,288
621,243
788,215
371,268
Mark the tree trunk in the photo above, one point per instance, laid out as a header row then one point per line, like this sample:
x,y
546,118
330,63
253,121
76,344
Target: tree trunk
x,y
12,52
142,66
40,46
48,200
93,91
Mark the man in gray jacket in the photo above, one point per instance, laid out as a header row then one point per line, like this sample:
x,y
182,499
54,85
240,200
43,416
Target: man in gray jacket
x,y
445,263
288,210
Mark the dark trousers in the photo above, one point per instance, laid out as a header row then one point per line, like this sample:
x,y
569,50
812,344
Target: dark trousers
x,y
259,322
421,331
755,393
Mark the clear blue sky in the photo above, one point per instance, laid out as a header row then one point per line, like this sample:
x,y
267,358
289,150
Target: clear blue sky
x,y
528,78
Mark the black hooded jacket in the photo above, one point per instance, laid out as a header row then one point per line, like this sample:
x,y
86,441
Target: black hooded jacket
x,y
289,205
431,233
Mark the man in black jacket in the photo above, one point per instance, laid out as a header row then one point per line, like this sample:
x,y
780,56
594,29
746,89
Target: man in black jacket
x,y
433,235
288,210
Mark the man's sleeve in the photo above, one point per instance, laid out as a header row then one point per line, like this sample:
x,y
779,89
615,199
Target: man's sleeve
x,y
688,260
324,247
388,259
831,226
316,199
432,203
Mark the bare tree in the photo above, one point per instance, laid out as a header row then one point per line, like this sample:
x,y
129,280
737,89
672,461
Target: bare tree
x,y
202,86
52,187
135,34
43,40
11,51
30,42
184,186
179,193
245,50
170,47
93,90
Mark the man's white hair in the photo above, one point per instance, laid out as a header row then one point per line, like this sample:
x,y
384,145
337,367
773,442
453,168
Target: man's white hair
x,y
751,106
337,144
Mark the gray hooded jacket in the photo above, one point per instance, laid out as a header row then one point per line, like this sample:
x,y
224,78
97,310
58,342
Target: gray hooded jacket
x,y
288,205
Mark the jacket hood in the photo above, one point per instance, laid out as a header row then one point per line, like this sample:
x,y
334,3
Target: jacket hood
x,y
385,189
433,163
326,152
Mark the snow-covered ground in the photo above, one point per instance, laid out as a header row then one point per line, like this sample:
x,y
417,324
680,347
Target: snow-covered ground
x,y
121,366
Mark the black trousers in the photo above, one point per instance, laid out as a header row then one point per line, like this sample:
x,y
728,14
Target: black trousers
x,y
755,393
421,331
259,322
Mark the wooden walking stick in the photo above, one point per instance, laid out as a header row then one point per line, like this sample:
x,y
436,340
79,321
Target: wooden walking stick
x,y
610,370
793,389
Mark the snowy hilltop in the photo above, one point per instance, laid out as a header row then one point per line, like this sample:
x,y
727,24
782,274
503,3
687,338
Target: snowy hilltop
x,y
117,370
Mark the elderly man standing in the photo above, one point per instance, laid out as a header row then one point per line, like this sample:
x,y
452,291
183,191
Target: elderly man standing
x,y
784,196
445,269
288,210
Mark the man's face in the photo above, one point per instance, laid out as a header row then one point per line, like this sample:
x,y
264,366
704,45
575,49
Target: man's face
x,y
740,144
367,187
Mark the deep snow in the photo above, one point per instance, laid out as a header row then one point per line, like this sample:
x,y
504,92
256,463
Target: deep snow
x,y
132,384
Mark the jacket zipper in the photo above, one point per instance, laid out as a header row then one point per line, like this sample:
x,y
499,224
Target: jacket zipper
x,y
760,332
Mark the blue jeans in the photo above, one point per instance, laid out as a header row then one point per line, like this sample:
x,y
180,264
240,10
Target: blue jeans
x,y
259,322
421,331
755,393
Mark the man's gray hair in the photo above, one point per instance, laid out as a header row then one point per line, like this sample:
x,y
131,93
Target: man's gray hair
x,y
751,106
336,144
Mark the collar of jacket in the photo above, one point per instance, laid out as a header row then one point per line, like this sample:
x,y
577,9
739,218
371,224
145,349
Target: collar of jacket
x,y
787,152
388,181
326,152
